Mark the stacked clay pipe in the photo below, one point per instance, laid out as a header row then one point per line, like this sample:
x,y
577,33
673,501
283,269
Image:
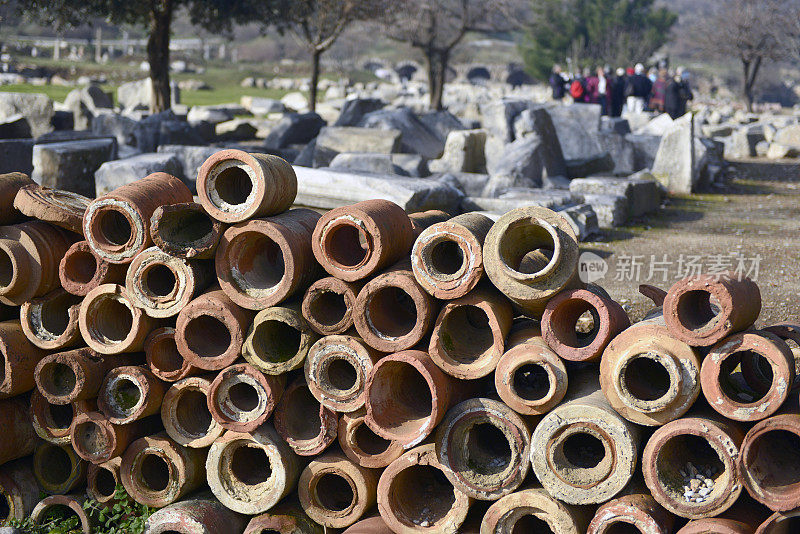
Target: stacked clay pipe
x,y
243,365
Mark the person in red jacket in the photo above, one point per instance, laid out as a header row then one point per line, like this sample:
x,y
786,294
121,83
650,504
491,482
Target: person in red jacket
x,y
591,96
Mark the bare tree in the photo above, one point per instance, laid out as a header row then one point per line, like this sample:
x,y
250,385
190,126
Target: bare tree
x,y
754,31
436,27
318,23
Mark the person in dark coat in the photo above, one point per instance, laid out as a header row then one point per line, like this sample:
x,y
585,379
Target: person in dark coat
x,y
676,96
638,90
658,91
558,83
618,92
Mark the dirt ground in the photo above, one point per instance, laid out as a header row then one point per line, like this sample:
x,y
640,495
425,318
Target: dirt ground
x,y
753,224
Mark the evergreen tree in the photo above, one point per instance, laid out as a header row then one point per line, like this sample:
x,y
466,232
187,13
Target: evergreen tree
x,y
614,32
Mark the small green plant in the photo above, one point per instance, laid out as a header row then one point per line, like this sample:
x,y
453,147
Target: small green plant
x,y
121,516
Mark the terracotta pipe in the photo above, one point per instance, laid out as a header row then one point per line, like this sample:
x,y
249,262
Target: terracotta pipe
x,y
241,398
52,422
753,400
305,424
328,305
393,312
286,517
789,333
156,471
185,231
636,511
373,525
584,452
185,413
162,285
407,395
486,448
110,323
447,258
703,310
80,270
530,254
61,208
58,469
73,503
414,495
468,338
362,445
779,523
249,473
202,514
210,331
10,184
19,438
768,462
102,480
534,510
262,262
335,491
530,378
117,225
355,242
336,371
19,490
163,357
234,185
19,359
560,323
688,448
278,339
96,439
51,321
29,256
77,374
421,220
130,393
648,376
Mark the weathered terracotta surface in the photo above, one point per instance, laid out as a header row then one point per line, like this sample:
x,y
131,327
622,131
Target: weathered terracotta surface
x,y
10,184
328,305
117,225
639,510
110,323
130,393
305,424
185,413
185,231
516,510
278,339
234,185
362,445
203,514
705,309
73,502
102,480
354,242
241,398
81,270
447,258
51,321
62,208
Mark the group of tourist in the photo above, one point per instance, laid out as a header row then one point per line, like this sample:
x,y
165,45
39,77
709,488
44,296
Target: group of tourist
x,y
632,89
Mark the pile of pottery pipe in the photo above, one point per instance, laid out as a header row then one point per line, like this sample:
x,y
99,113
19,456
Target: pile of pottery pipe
x,y
243,365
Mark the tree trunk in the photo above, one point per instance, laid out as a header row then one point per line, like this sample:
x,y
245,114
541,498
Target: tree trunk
x,y
750,76
158,55
312,97
437,71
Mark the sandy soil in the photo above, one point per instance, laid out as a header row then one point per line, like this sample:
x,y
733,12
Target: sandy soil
x,y
757,214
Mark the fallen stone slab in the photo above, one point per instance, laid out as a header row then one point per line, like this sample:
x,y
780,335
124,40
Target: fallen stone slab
x,y
538,121
744,140
177,132
235,130
596,164
365,162
442,122
333,140
326,188
611,210
643,193
416,137
37,108
71,165
15,127
645,148
472,184
617,125
622,152
577,130
113,174
413,164
116,125
788,136
659,126
779,151
209,114
531,197
294,129
258,105
355,109
16,155
583,220
464,151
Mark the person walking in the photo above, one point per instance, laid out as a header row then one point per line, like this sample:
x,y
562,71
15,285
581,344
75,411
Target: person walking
x,y
638,89
591,96
603,90
558,83
658,92
677,94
